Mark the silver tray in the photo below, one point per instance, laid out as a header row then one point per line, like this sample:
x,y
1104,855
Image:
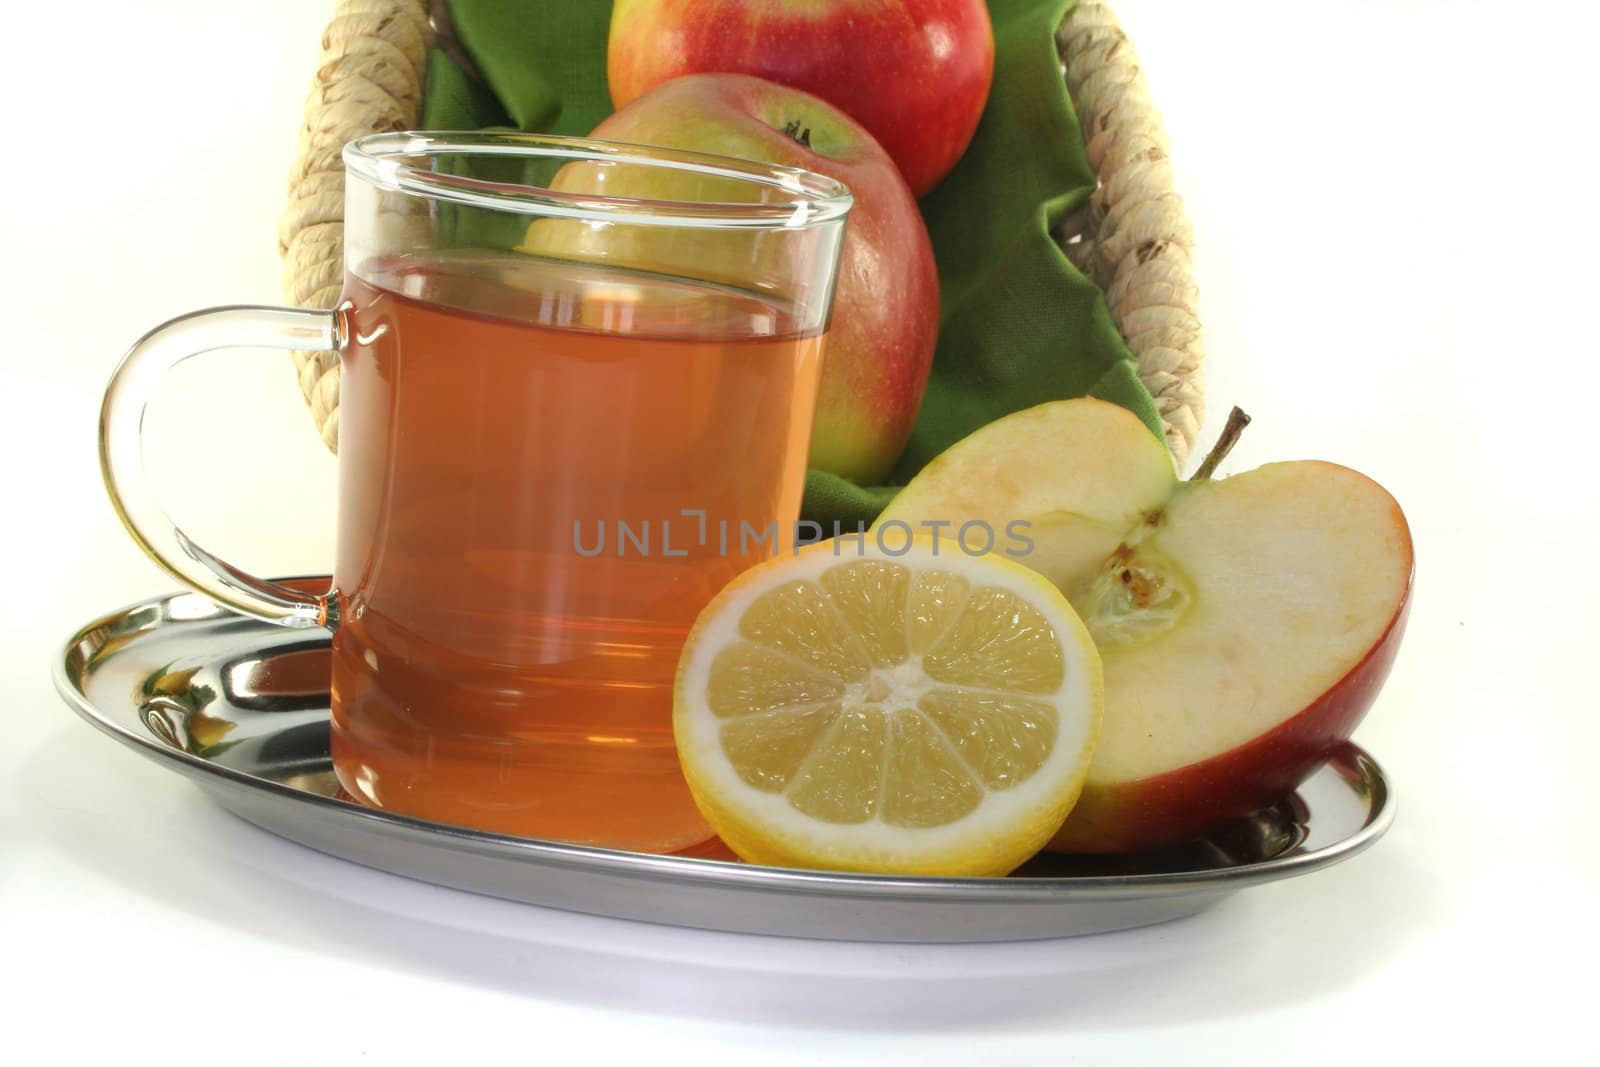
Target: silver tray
x,y
166,677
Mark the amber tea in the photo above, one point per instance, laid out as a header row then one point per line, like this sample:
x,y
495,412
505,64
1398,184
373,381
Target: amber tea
x,y
513,431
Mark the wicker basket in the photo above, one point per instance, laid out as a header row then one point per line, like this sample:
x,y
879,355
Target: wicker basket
x,y
1131,238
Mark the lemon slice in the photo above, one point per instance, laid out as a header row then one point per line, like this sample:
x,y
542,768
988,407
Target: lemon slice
x,y
916,713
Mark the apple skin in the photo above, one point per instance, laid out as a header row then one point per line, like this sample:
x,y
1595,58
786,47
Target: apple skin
x,y
914,73
1286,593
1180,804
880,345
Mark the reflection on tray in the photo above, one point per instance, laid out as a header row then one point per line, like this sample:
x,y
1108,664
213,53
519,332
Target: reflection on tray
x,y
237,713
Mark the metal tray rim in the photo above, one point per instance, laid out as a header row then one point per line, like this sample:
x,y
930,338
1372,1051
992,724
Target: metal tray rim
x,y
710,872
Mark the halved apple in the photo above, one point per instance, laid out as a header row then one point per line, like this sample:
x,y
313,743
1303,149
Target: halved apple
x,y
1080,473
1245,625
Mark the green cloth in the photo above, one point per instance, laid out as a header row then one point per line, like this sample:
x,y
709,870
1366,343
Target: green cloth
x,y
1018,326
544,62
453,101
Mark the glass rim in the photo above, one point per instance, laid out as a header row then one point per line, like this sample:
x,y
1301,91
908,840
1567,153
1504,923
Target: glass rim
x,y
381,159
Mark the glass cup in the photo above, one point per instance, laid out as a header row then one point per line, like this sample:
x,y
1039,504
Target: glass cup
x,y
577,381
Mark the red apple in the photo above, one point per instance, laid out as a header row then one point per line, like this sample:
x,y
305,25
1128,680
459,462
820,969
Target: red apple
x,y
886,305
1244,625
915,73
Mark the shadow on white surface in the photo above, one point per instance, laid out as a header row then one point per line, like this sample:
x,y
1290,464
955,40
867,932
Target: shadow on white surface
x,y
174,846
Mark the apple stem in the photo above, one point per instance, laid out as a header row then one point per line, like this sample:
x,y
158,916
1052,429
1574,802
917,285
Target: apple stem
x,y
1237,421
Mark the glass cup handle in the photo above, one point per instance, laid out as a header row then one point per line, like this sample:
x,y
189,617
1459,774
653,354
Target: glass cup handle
x,y
122,454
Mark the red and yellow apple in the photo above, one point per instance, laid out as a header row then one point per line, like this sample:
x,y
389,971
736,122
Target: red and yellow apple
x,y
1245,625
914,73
886,306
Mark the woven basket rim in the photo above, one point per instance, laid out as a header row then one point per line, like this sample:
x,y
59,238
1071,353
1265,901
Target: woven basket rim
x,y
1132,237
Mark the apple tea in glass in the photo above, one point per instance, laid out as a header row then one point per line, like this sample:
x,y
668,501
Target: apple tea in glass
x,y
566,365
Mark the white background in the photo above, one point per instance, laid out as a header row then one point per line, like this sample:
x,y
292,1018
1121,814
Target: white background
x,y
1395,204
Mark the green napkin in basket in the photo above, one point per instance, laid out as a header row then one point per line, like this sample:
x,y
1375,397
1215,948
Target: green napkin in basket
x,y
1019,325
